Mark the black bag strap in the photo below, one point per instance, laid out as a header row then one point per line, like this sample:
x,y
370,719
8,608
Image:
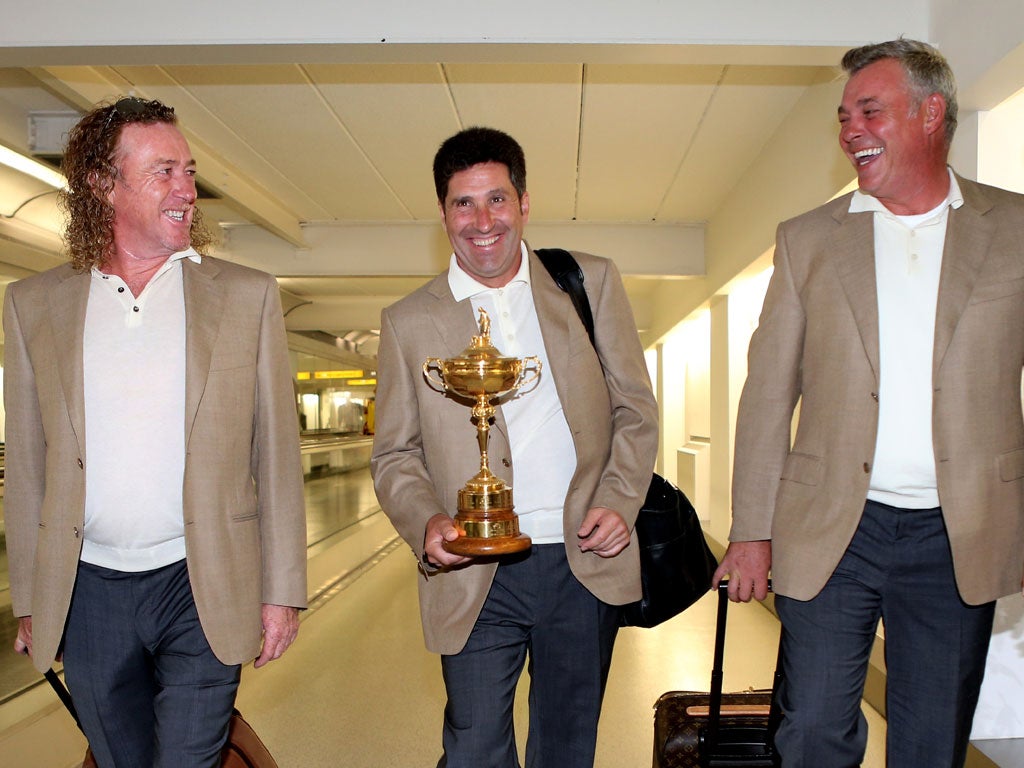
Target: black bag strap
x,y
568,276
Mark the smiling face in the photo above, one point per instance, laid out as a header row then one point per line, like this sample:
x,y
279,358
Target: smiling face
x,y
154,192
896,146
484,219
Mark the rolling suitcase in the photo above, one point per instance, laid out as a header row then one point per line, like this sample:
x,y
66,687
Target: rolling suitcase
x,y
716,730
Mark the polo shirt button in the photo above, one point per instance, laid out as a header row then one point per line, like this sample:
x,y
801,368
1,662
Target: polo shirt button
x,y
135,309
120,289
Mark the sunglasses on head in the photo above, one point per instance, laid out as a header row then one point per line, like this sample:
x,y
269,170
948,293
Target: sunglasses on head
x,y
130,106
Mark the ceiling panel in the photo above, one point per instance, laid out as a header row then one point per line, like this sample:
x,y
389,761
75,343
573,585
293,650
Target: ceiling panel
x,y
745,111
638,124
278,112
398,115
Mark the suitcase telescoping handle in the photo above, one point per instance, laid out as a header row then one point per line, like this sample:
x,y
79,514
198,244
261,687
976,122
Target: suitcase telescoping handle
x,y
715,698
62,693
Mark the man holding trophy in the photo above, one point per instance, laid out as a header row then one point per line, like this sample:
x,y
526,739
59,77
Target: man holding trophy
x,y
570,424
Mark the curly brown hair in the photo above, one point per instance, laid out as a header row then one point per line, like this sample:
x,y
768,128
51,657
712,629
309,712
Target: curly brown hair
x,y
89,166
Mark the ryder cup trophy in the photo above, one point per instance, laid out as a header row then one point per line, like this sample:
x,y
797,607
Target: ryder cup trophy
x,y
481,374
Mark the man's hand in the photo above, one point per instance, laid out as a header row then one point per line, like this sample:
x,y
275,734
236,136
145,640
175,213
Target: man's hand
x,y
440,529
23,641
746,563
603,532
280,627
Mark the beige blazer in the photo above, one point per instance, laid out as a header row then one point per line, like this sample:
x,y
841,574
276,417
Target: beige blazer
x,y
424,447
243,504
818,342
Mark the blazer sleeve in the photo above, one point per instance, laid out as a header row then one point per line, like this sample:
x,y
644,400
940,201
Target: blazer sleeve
x,y
403,485
634,445
24,459
276,464
769,397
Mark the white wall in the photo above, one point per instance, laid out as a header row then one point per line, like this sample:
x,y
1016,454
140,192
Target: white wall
x,y
1000,161
385,23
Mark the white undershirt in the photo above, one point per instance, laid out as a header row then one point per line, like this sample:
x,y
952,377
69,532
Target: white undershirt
x,y
543,452
908,263
134,380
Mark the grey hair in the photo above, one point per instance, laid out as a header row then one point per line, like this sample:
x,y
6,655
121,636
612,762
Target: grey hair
x,y
927,71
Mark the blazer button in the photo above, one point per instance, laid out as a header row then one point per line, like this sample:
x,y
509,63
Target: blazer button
x,y
867,467
76,531
506,463
874,396
80,464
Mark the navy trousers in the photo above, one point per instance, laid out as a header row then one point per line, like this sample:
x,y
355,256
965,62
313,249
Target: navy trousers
x,y
147,687
535,608
898,568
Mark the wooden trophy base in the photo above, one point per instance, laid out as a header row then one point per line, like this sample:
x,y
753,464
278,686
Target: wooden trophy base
x,y
477,547
490,532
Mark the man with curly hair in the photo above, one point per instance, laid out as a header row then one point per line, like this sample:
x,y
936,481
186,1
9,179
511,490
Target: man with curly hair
x,y
153,500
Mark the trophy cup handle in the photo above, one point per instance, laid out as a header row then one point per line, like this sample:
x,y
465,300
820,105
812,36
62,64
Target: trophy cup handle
x,y
532,365
434,363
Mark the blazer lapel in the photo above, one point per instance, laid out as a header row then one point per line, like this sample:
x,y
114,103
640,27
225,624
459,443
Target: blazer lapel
x,y
853,252
455,321
968,236
68,305
204,307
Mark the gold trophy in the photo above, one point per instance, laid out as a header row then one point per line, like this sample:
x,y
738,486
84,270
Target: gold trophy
x,y
480,373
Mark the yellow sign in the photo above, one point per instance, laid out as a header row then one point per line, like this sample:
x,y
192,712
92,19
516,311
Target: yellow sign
x,y
334,374
353,378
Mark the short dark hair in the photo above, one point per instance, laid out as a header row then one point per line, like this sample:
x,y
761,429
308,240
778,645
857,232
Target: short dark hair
x,y
90,164
472,147
927,71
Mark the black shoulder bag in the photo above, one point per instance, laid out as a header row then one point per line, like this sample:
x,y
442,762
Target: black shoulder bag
x,y
676,564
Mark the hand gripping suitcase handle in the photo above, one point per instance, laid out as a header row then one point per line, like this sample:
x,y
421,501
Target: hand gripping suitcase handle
x,y
715,697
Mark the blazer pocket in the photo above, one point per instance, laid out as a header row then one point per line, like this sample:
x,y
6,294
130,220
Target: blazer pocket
x,y
1011,465
993,291
803,468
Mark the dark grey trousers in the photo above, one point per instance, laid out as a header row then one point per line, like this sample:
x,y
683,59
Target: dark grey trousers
x,y
535,608
898,568
147,687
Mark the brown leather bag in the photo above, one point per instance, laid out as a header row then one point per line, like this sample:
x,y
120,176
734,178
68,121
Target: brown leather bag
x,y
243,749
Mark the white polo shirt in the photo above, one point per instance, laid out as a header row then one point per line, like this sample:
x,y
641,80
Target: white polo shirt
x,y
908,262
134,377
543,452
